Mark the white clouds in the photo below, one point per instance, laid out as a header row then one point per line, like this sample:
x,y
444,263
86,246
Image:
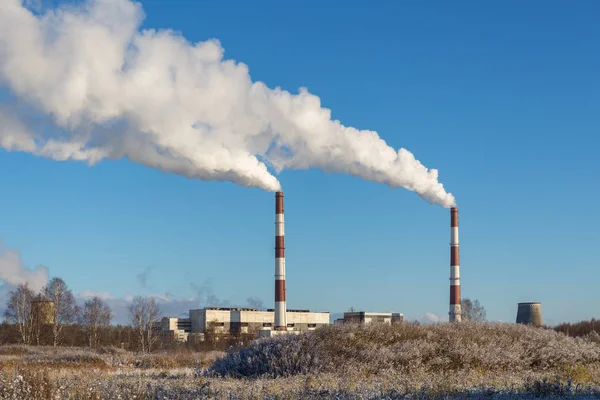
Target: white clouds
x,y
14,273
170,305
429,318
88,294
159,100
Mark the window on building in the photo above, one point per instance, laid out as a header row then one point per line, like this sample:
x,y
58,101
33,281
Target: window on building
x,y
312,325
267,324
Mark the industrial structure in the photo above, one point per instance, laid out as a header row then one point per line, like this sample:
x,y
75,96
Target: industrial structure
x,y
363,318
177,329
280,304
455,309
237,321
530,313
43,311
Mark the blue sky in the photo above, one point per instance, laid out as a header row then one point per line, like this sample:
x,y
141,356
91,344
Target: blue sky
x,y
502,99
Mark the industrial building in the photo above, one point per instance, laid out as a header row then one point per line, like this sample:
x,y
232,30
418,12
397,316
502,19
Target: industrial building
x,y
234,321
362,317
177,328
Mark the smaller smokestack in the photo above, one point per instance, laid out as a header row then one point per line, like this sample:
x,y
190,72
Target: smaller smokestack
x,y
455,309
280,304
530,313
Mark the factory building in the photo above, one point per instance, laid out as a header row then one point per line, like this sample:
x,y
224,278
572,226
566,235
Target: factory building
x,y
362,317
235,321
176,328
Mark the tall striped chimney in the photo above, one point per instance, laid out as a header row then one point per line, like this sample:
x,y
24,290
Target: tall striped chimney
x,y
455,311
280,306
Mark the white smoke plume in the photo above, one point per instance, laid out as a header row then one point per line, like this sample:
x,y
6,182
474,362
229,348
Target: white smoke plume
x,y
14,273
113,91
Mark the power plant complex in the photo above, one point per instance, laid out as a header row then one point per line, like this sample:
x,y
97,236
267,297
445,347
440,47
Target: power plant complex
x,y
280,320
263,323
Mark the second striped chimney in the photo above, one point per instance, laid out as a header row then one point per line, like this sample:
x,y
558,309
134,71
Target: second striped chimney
x,y
455,309
280,305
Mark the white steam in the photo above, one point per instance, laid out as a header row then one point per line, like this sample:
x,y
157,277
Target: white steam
x,y
13,272
113,91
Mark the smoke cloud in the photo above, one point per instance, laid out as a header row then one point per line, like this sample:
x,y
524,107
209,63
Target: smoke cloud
x,y
14,273
142,277
205,295
113,91
255,302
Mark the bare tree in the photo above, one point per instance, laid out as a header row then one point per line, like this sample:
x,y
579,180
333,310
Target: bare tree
x,y
136,315
153,316
143,314
472,310
18,311
64,310
95,316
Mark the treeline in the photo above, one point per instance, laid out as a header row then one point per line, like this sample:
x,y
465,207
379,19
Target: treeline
x,y
125,337
121,336
578,329
52,317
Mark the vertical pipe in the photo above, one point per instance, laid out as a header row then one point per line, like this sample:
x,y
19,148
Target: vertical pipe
x,y
280,306
455,310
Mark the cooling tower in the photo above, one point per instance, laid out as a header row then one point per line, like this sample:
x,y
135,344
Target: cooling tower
x,y
530,314
280,305
43,311
455,310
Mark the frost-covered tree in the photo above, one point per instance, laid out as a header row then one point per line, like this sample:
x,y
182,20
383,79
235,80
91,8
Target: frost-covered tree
x,y
65,309
144,312
18,311
95,316
472,310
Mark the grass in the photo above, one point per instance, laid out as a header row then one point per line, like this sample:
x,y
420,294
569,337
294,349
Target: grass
x,y
345,362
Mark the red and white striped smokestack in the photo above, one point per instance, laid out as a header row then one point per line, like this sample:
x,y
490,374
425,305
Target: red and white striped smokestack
x,y
280,306
455,310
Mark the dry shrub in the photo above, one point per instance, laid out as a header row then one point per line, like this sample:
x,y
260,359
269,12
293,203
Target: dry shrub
x,y
111,351
577,373
181,359
436,348
15,350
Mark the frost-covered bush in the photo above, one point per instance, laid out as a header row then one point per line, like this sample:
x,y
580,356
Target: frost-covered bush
x,y
15,350
593,337
375,348
342,362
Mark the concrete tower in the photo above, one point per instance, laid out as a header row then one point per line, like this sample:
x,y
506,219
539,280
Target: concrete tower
x,y
455,310
280,306
530,314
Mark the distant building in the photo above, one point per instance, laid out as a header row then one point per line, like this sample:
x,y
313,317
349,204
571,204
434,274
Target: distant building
x,y
177,328
237,321
43,311
530,313
362,317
